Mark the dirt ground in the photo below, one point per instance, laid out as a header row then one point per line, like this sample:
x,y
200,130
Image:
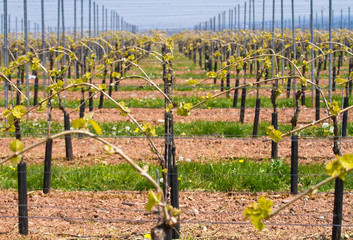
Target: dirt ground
x,y
205,215
88,151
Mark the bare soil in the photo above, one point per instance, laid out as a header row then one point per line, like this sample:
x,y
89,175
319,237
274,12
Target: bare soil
x,y
87,151
205,215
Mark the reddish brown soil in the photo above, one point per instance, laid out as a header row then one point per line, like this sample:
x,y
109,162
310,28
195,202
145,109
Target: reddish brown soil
x,y
204,215
87,151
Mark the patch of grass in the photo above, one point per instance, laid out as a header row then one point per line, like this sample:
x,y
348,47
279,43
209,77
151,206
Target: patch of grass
x,y
219,102
232,175
195,128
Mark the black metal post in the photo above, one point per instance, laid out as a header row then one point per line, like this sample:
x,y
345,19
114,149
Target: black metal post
x,y
22,199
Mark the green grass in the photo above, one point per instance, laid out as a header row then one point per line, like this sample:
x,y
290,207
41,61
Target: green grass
x,y
232,175
219,102
195,128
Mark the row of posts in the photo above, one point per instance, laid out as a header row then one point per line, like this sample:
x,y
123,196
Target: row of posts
x,y
234,22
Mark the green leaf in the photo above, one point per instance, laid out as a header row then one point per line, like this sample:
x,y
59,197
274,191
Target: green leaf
x,y
184,109
149,130
152,200
6,71
86,77
259,211
340,80
274,134
16,145
211,75
123,109
96,127
192,82
279,91
6,113
116,75
169,107
102,87
302,81
267,63
19,111
338,167
42,107
16,160
346,161
334,108
79,123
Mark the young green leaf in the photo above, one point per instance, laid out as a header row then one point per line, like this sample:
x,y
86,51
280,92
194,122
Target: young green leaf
x,y
192,82
79,123
116,75
42,107
302,81
211,75
259,211
340,80
102,87
334,108
279,91
149,130
16,145
96,127
274,134
19,111
338,167
169,107
184,109
152,200
123,109
16,160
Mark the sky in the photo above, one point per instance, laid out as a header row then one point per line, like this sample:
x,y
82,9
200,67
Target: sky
x,y
164,13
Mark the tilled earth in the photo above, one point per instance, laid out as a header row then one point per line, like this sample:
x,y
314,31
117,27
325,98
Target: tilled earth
x,y
205,215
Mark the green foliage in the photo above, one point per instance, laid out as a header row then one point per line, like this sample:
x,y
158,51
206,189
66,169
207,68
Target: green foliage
x,y
12,114
124,110
258,211
303,81
116,75
83,123
149,130
211,75
35,63
278,91
55,87
274,134
95,126
340,80
184,109
43,106
152,200
339,167
192,82
334,108
16,146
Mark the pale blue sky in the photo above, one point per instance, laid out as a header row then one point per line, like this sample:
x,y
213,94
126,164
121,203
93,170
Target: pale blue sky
x,y
164,13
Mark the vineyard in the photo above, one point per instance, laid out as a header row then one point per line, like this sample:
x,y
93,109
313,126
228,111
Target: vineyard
x,y
218,132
